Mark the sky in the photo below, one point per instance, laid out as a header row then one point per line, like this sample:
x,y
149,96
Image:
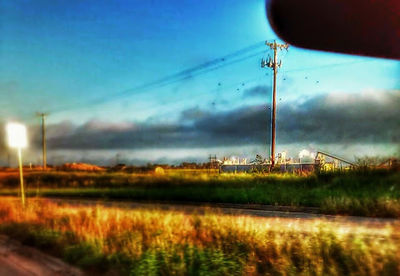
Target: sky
x,y
95,67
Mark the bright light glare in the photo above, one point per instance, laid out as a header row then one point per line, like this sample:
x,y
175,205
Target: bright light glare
x,y
304,153
16,135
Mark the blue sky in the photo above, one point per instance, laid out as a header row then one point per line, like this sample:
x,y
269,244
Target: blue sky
x,y
61,56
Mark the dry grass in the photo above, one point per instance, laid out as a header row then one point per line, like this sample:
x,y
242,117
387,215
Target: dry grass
x,y
362,193
374,193
156,242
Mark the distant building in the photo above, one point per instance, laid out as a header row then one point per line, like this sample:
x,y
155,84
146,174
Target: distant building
x,y
321,161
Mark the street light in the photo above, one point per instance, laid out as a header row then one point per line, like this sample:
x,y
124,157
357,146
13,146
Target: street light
x,y
16,134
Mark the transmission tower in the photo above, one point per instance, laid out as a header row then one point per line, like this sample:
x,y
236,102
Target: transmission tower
x,y
274,65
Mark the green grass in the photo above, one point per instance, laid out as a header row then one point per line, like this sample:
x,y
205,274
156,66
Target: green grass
x,y
363,193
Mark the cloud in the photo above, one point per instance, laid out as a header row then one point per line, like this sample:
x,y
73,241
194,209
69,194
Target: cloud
x,y
257,91
370,117
194,113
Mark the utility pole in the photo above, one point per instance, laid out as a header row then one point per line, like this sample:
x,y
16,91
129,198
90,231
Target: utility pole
x,y
274,65
44,157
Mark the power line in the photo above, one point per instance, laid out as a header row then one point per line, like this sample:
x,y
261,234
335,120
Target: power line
x,y
183,75
181,98
177,77
236,84
326,66
218,89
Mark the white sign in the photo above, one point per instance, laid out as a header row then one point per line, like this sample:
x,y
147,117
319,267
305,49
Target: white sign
x,y
16,135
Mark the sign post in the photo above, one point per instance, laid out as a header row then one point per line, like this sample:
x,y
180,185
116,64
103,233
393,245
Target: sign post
x,y
17,139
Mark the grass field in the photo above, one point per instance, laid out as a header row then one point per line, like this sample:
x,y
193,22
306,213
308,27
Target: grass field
x,y
156,242
364,193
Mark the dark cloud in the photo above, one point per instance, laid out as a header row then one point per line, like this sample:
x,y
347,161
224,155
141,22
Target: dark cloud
x,y
194,113
342,118
334,118
258,91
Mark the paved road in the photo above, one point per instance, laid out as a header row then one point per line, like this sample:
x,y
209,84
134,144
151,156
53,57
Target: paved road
x,y
19,260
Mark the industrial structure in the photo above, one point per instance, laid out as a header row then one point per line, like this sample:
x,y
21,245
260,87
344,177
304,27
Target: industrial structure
x,y
321,161
391,163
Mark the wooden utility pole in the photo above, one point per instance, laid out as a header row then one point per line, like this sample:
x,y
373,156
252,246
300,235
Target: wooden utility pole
x,y
44,157
274,65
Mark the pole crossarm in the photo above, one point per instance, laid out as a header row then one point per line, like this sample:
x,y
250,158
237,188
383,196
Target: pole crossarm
x,y
273,63
274,45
